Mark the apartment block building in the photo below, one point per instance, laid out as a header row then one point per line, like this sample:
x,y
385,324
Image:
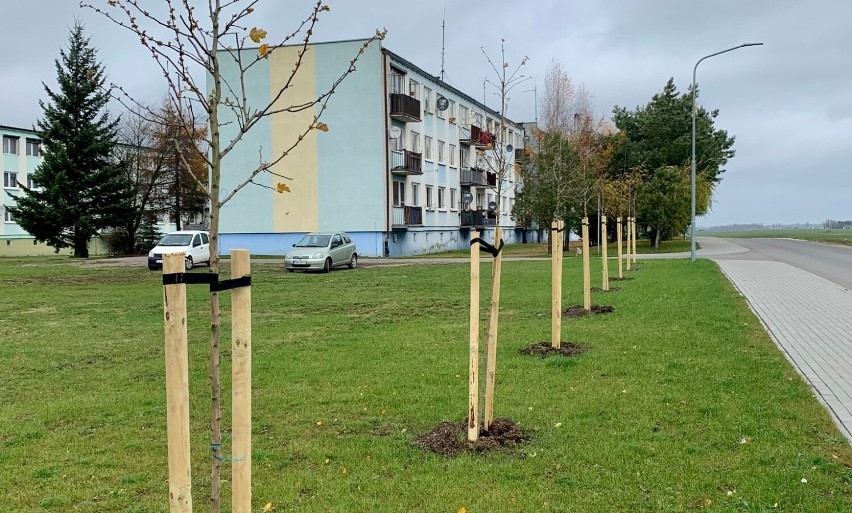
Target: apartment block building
x,y
407,166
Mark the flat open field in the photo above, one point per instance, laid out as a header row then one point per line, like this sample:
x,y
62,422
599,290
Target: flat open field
x,y
843,237
643,246
681,403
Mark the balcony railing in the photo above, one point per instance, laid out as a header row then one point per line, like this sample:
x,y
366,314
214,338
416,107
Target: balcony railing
x,y
475,218
470,176
479,138
406,216
404,107
404,162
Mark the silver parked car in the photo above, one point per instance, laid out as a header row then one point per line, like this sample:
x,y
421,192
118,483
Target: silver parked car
x,y
322,251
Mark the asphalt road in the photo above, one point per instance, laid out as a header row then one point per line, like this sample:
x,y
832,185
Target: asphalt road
x,y
833,263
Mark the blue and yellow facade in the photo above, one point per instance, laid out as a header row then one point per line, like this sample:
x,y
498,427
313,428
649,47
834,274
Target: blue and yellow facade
x,y
343,179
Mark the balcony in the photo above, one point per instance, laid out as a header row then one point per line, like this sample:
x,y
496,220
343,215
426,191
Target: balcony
x,y
403,217
404,162
479,138
520,156
476,218
491,179
404,108
470,176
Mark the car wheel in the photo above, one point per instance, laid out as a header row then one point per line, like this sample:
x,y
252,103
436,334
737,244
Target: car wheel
x,y
188,263
327,267
353,262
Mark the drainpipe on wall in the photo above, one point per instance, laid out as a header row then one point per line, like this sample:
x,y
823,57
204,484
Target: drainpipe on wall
x,y
386,242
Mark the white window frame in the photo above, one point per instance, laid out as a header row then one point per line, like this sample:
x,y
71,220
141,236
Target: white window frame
x,y
452,110
10,179
427,148
453,196
397,82
415,194
414,88
442,198
398,193
442,153
430,197
453,150
8,141
30,183
8,217
427,100
415,142
33,143
464,158
463,115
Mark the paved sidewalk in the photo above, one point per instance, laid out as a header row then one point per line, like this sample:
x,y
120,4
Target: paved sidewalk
x,y
810,319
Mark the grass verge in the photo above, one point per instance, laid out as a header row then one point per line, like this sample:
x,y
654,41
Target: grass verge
x,y
681,402
841,237
535,249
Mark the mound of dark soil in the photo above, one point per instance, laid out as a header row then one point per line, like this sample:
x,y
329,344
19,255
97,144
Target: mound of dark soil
x,y
626,278
450,438
575,311
544,349
611,289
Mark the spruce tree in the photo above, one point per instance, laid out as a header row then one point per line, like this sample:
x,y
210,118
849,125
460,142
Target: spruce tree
x,y
80,188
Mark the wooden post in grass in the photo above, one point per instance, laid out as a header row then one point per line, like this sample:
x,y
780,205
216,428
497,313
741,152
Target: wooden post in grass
x,y
629,231
604,261
473,372
618,241
241,384
556,285
587,278
634,240
491,342
177,387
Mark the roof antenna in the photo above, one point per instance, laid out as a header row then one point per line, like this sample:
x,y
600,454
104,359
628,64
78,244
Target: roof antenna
x,y
443,34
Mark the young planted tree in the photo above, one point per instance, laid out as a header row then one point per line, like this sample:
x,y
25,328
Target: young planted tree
x,y
213,41
499,160
80,188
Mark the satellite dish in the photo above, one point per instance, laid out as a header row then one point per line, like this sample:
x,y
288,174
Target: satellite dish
x,y
442,103
526,139
395,132
466,197
492,206
509,148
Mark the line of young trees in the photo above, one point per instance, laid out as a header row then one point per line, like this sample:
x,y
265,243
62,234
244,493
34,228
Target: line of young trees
x,y
637,164
104,175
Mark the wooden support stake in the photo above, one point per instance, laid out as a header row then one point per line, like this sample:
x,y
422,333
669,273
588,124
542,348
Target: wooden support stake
x,y
177,387
473,372
634,240
618,241
556,285
241,384
604,257
491,343
587,278
627,255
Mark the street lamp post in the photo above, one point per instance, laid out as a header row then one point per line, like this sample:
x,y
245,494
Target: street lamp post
x,y
694,71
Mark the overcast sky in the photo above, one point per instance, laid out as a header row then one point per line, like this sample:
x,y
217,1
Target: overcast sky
x,y
789,103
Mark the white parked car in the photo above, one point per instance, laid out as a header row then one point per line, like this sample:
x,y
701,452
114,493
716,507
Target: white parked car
x,y
194,245
321,252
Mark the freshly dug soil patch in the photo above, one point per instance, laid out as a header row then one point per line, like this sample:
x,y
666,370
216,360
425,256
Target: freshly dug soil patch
x,y
626,278
544,349
611,289
450,438
578,310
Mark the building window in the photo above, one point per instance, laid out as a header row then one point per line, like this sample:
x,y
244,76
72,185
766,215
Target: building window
x,y
464,157
429,199
8,217
397,144
427,100
480,200
441,152
453,199
397,79
10,144
452,110
33,148
398,194
488,126
10,180
31,184
413,89
415,142
463,115
415,194
453,154
442,192
427,148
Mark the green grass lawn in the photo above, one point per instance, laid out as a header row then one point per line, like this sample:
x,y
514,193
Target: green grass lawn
x,y
842,237
681,403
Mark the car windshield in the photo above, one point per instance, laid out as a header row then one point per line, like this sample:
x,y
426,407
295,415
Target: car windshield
x,y
176,239
313,241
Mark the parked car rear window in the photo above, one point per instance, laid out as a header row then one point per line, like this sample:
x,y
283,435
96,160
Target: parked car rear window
x,y
346,239
205,239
